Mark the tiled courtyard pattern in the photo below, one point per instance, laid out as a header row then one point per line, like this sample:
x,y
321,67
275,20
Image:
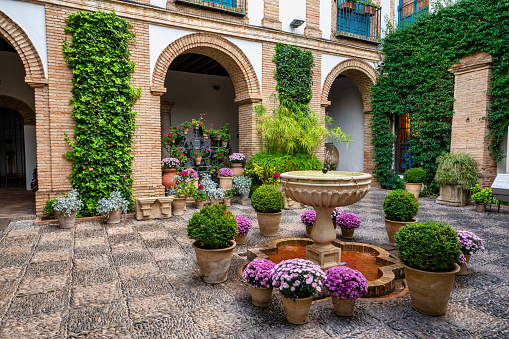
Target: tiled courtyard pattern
x,y
141,280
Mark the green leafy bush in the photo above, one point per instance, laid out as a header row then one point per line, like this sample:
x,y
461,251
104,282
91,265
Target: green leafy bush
x,y
457,168
430,246
212,227
414,175
400,205
99,58
48,207
268,199
482,196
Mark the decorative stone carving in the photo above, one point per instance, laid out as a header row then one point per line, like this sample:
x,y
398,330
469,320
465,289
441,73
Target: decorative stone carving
x,y
153,208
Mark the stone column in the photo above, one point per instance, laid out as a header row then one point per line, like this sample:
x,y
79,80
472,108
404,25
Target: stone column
x,y
472,101
165,122
271,14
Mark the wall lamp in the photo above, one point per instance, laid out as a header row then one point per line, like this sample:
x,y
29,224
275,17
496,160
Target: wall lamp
x,y
296,23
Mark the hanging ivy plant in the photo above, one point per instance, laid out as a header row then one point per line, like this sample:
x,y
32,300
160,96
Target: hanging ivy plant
x,y
418,83
102,99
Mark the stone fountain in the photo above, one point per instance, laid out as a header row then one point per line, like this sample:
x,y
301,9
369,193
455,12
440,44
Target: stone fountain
x,y
325,192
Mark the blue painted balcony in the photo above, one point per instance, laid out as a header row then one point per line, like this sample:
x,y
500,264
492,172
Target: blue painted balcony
x,y
237,7
408,10
358,20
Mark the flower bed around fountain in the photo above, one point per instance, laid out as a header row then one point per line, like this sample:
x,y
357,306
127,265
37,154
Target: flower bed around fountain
x,y
380,269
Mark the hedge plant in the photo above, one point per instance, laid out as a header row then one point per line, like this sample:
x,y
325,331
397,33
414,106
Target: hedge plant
x,y
102,99
430,246
414,175
212,227
400,205
417,57
268,199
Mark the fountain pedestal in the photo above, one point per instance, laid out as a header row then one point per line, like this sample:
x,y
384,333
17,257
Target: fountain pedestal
x,y
325,192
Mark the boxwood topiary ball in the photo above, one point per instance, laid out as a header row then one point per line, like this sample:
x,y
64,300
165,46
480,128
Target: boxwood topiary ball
x,y
400,205
212,227
268,199
414,175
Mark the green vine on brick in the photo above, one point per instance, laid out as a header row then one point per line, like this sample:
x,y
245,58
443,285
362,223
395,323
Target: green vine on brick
x,y
102,99
418,83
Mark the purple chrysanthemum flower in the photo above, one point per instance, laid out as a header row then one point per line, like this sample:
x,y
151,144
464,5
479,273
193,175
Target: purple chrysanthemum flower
x,y
348,220
346,283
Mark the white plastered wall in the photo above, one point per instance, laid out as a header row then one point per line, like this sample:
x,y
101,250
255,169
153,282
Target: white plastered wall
x,y
328,63
503,166
255,12
158,3
32,19
386,14
325,18
290,10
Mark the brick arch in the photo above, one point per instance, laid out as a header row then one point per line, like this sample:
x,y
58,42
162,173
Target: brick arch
x,y
20,41
19,106
360,72
220,49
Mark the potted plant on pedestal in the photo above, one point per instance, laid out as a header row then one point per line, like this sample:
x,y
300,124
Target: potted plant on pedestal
x,y
348,223
242,186
345,285
334,215
66,208
258,274
225,178
112,207
298,281
430,253
244,226
413,178
268,202
400,208
482,197
199,197
456,173
237,160
169,167
213,228
470,244
308,218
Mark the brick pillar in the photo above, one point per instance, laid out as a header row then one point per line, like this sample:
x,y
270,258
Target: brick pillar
x,y
165,122
471,104
271,14
369,149
249,140
313,18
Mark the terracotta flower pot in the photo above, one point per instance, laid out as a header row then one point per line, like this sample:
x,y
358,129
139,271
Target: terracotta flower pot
x,y
66,221
168,177
241,239
199,204
297,310
185,130
227,201
178,205
481,208
463,267
114,217
413,188
205,135
347,233
197,159
225,183
224,143
430,291
393,226
343,307
348,6
214,264
268,223
261,296
308,231
238,170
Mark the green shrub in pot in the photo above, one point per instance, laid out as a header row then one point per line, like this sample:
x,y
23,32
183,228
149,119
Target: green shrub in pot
x,y
212,227
400,205
268,199
414,175
457,168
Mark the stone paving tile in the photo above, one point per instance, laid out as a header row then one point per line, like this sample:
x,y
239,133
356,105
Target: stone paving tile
x,y
123,237
23,241
179,325
89,263
55,236
170,253
33,304
48,268
116,230
9,273
137,271
131,258
95,294
132,246
54,245
90,233
30,285
152,227
92,277
62,255
151,285
23,232
142,308
88,318
96,241
8,260
40,326
91,251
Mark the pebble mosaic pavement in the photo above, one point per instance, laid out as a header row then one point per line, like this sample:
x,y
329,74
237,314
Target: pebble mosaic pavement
x,y
141,280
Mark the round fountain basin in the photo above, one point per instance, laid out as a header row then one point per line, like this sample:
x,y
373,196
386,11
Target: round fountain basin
x,y
332,189
378,267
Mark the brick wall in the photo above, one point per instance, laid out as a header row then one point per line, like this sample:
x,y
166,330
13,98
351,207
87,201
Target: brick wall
x,y
271,14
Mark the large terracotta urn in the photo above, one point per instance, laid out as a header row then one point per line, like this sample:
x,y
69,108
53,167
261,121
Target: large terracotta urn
x,y
168,175
214,264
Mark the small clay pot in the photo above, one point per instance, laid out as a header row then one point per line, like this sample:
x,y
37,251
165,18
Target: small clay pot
x,y
261,296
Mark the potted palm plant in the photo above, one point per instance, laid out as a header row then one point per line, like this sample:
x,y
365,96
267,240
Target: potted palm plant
x,y
430,253
400,208
298,281
345,285
268,202
112,207
413,178
66,208
456,173
213,228
258,274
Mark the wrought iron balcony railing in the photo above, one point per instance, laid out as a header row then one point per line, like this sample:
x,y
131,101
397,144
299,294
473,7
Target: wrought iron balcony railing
x,y
408,10
232,6
358,20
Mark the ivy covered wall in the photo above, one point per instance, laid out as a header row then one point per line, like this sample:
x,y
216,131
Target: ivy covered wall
x,y
417,57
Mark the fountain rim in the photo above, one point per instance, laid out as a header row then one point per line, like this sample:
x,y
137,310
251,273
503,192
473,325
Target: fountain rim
x,y
359,176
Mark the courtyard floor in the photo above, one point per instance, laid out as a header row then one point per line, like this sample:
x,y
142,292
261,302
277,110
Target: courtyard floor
x,y
141,280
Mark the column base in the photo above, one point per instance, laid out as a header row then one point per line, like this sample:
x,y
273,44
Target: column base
x,y
326,256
